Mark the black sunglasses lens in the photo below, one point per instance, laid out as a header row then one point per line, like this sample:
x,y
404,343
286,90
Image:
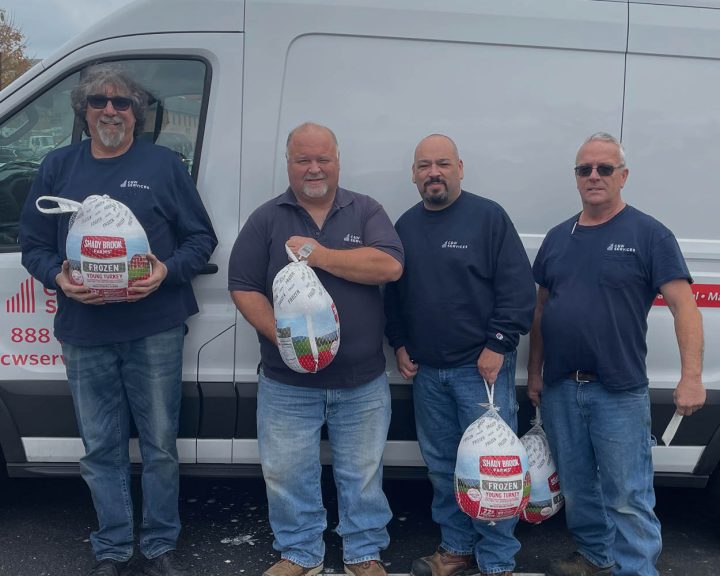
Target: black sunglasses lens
x,y
98,102
121,103
583,171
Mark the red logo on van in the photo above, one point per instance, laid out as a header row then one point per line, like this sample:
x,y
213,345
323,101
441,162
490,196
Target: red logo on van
x,y
706,296
24,301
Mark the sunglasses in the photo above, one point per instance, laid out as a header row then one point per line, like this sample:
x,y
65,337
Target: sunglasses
x,y
99,102
584,170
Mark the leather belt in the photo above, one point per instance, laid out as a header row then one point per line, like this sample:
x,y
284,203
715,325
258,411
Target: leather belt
x,y
581,376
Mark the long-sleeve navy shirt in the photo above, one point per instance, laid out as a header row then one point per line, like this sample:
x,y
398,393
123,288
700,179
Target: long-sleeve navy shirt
x,y
467,284
155,185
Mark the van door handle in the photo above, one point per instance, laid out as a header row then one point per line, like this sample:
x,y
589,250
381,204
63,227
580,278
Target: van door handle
x,y
209,268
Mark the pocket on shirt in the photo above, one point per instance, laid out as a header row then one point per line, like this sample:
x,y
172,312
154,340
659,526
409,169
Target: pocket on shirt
x,y
621,269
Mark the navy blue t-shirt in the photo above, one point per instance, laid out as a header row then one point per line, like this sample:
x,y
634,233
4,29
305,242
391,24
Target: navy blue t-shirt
x,y
602,281
354,221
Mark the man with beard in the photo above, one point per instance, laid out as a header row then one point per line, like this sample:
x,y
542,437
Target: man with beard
x,y
350,242
124,360
454,319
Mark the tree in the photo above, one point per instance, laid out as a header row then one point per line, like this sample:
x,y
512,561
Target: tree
x,y
13,61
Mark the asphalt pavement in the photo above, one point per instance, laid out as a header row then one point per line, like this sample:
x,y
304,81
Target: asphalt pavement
x,y
45,523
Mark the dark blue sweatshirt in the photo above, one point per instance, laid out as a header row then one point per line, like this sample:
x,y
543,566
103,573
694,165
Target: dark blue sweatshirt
x,y
467,284
155,185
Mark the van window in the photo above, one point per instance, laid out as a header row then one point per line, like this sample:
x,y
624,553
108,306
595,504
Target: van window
x,y
178,91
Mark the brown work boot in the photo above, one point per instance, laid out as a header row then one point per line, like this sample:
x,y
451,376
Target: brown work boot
x,y
367,568
287,568
443,563
577,565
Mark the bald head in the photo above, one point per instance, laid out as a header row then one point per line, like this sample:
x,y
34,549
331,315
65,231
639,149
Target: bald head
x,y
437,171
310,127
437,140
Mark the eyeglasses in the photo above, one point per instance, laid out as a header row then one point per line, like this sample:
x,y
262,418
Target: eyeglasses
x,y
99,102
584,170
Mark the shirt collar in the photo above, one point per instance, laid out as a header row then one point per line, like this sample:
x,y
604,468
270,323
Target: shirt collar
x,y
342,198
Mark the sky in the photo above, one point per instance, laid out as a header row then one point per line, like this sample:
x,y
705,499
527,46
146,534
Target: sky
x,y
48,24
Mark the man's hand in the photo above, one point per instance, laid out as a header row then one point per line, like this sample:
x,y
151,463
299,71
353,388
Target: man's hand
x,y
407,368
79,293
489,364
296,243
143,288
689,396
534,388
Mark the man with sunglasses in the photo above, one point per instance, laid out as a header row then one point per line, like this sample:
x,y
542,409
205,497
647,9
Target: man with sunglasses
x,y
598,274
454,319
124,360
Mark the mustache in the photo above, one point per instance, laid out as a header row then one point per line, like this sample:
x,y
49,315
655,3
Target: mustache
x,y
434,180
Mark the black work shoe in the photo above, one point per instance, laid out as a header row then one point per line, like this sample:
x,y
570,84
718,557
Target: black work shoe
x,y
443,563
108,567
167,564
577,565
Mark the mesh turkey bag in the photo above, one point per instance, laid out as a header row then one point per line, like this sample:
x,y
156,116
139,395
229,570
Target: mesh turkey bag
x,y
545,496
492,480
106,246
306,320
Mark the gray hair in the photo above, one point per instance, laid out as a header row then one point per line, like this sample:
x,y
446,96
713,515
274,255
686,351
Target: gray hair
x,y
306,125
605,137
96,79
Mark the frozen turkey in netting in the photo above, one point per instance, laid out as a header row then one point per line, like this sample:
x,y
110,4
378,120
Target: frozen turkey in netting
x,y
492,480
546,499
306,320
106,246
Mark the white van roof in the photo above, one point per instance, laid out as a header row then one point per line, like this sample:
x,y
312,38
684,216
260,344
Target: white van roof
x,y
160,17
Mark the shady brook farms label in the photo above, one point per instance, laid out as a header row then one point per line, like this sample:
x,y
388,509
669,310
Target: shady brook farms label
x,y
106,248
104,266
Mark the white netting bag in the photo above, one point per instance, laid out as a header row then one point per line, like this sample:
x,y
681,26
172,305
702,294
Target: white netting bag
x,y
106,246
306,320
546,499
492,480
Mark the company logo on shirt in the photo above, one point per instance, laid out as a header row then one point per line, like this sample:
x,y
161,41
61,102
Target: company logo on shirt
x,y
134,184
454,244
499,336
353,239
619,248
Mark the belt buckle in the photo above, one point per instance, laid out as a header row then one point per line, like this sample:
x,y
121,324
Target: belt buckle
x,y
577,378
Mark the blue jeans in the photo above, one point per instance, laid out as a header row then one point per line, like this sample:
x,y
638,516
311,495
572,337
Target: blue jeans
x,y
109,384
289,423
446,403
601,442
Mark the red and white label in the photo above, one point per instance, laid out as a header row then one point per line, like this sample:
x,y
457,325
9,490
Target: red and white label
x,y
706,296
500,465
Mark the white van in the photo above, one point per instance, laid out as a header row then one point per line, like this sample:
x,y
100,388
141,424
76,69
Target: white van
x,y
518,84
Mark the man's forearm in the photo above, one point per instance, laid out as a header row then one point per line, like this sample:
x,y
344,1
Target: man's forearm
x,y
362,265
257,310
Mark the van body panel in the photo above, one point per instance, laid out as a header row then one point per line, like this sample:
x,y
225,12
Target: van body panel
x,y
518,84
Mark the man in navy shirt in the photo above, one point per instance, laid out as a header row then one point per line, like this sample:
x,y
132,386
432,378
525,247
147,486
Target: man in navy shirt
x,y
454,320
354,248
124,359
598,274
